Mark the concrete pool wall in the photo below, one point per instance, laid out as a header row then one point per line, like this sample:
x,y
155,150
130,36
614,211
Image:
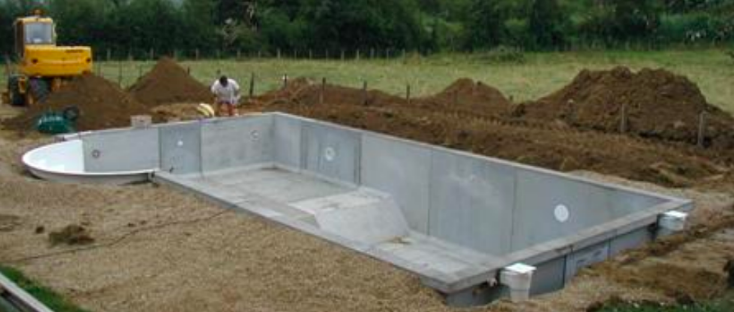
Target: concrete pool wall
x,y
457,220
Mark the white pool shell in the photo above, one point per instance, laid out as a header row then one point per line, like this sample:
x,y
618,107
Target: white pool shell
x,y
469,226
64,162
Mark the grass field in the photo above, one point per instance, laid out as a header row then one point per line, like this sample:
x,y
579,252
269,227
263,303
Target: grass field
x,y
539,74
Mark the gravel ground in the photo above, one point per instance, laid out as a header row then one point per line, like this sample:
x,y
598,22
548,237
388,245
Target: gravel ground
x,y
159,250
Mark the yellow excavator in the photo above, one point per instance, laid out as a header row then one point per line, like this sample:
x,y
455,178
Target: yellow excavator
x,y
42,66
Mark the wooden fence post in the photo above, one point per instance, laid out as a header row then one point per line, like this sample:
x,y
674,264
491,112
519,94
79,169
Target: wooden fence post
x,y
285,81
407,93
623,120
323,90
357,57
196,54
343,54
151,54
119,73
364,92
252,85
109,55
277,52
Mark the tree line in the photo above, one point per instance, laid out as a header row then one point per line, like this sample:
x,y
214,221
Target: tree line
x,y
213,26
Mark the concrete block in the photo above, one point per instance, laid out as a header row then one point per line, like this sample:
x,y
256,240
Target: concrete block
x,y
180,148
128,150
471,202
384,168
231,143
287,137
331,152
549,207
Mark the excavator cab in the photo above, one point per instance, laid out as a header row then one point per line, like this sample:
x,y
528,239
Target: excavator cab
x,y
42,66
38,31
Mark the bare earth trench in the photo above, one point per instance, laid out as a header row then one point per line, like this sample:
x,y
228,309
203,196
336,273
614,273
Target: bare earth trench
x,y
159,250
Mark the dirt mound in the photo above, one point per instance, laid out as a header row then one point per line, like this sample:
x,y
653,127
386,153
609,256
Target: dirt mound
x,y
169,83
303,91
102,105
658,104
71,235
468,95
463,96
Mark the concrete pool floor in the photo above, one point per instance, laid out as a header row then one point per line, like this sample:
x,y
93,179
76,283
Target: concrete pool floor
x,y
355,213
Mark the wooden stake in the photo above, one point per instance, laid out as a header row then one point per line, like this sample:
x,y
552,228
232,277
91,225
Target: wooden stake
x,y
364,92
623,120
702,129
323,90
285,81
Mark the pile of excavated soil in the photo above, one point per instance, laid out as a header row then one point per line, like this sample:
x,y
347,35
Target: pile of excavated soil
x,y
471,96
102,105
464,96
302,91
169,83
658,103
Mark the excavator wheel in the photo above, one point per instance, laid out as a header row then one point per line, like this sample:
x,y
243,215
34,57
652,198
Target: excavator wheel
x,y
16,98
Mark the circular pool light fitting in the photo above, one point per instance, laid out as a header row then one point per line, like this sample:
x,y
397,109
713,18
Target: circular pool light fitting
x,y
561,213
329,154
